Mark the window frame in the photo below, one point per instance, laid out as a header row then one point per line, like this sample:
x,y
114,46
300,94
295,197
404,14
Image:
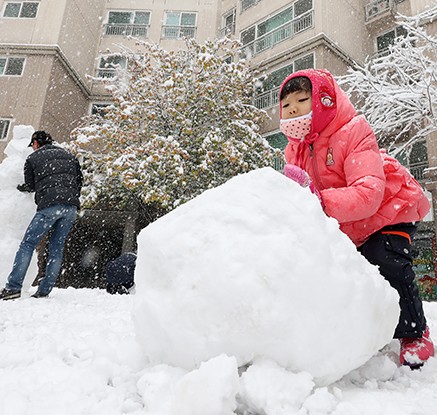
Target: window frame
x,y
132,16
97,108
179,26
4,131
111,72
21,3
229,28
5,68
396,35
128,28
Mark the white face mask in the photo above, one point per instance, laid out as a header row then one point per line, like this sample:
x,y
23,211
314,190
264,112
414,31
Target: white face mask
x,y
297,128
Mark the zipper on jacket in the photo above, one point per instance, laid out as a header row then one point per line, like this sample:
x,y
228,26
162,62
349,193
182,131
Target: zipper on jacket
x,y
315,168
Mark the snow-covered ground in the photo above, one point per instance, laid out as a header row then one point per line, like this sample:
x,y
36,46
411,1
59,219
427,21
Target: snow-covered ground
x,y
292,336
77,353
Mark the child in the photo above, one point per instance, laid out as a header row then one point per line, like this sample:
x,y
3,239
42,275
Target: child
x,y
375,200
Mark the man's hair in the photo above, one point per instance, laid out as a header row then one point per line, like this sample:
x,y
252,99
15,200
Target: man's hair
x,y
300,83
42,138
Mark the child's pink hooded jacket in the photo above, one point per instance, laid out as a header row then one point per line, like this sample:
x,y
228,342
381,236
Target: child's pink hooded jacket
x,y
361,187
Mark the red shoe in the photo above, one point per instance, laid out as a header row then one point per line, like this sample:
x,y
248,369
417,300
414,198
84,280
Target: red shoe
x,y
416,351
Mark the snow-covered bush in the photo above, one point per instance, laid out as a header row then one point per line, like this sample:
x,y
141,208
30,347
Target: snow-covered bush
x,y
182,122
397,91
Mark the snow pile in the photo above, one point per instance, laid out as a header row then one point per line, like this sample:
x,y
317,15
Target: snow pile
x,y
254,269
16,208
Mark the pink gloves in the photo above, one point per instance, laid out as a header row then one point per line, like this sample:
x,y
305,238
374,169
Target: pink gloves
x,y
301,177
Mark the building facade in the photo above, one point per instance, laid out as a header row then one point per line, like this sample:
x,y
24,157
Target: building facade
x,y
54,54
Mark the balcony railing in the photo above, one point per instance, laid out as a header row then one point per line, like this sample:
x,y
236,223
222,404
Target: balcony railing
x,y
178,32
286,31
267,99
417,170
278,164
106,73
376,8
227,30
118,29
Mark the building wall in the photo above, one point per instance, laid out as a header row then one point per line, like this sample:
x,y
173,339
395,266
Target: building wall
x,y
60,46
64,42
80,34
206,22
65,103
22,98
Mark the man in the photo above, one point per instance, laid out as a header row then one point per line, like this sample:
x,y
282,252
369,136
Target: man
x,y
56,178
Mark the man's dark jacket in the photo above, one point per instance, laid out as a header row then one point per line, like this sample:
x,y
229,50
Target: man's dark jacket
x,y
54,175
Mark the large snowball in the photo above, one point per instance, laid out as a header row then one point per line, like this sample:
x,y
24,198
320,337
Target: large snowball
x,y
254,268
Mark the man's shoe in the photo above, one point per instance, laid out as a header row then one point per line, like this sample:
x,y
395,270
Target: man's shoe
x,y
39,295
416,351
9,294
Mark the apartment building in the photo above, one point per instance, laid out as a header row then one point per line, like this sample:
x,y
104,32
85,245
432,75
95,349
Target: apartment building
x,y
55,53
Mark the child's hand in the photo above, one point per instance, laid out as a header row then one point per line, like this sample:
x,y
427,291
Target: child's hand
x,y
297,174
301,177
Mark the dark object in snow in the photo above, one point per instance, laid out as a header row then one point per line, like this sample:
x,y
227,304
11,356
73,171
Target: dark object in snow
x,y
120,274
24,188
6,294
39,295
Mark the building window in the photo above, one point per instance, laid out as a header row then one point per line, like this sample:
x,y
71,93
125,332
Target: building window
x,y
10,66
128,23
228,24
377,8
4,128
269,95
108,65
22,9
246,4
278,28
384,41
178,25
99,109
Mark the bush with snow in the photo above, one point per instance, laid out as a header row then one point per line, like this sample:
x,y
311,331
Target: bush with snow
x,y
182,122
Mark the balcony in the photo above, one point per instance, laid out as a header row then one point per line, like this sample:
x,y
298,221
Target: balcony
x,y
267,99
417,170
121,29
178,32
284,32
378,8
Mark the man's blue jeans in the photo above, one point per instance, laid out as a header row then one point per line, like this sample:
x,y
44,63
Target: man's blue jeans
x,y
59,219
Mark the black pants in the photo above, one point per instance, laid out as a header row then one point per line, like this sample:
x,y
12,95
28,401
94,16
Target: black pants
x,y
120,274
390,250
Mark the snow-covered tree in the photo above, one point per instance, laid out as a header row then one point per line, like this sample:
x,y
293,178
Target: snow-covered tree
x,y
397,91
182,122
